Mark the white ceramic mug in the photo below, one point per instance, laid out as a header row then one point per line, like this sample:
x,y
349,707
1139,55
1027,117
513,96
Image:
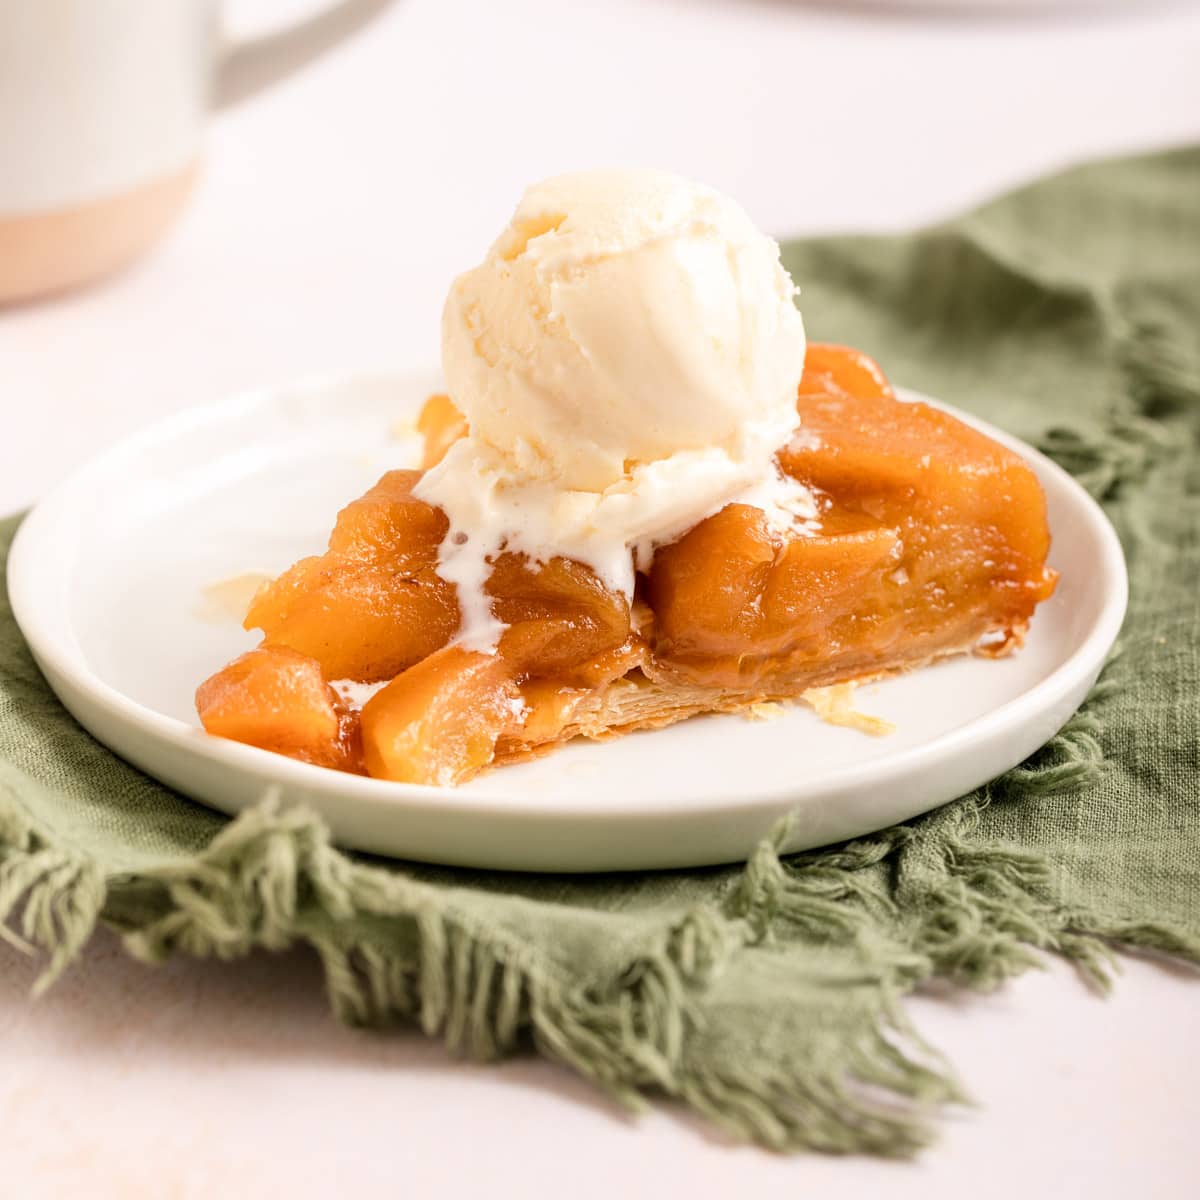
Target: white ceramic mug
x,y
102,111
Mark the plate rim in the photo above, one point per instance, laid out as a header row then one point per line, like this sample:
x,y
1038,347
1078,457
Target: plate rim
x,y
56,651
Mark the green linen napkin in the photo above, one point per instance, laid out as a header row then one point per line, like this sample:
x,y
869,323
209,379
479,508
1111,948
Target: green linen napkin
x,y
766,996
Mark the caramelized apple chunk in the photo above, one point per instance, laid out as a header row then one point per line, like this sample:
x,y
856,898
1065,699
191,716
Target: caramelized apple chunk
x,y
439,721
969,512
276,699
559,615
373,604
831,370
930,536
731,595
441,424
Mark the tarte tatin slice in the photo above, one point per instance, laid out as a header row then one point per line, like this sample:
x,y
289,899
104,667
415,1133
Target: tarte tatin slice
x,y
929,539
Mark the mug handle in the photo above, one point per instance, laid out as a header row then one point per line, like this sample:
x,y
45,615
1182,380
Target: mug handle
x,y
250,66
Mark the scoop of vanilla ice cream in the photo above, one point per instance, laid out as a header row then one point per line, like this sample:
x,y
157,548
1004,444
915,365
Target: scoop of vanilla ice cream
x,y
627,357
624,316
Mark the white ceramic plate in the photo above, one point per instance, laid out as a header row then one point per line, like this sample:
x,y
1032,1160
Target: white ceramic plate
x,y
107,577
